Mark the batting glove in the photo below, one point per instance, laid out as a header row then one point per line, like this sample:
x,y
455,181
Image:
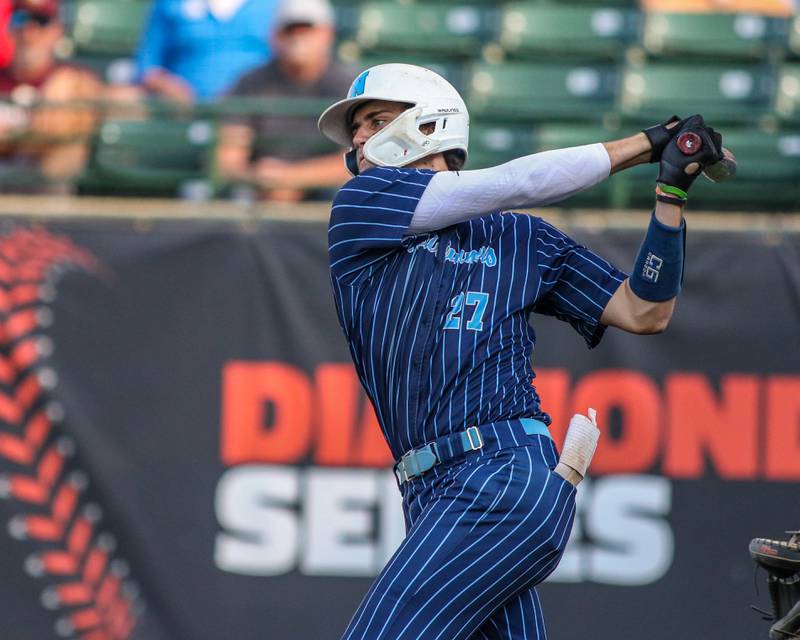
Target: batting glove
x,y
659,136
694,143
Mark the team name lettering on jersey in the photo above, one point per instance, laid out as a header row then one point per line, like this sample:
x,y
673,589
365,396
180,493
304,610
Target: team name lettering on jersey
x,y
484,255
431,245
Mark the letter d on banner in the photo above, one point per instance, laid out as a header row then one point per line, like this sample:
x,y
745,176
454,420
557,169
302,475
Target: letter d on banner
x,y
266,413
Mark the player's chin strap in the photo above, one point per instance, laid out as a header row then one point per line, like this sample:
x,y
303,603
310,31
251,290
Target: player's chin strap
x,y
580,444
351,162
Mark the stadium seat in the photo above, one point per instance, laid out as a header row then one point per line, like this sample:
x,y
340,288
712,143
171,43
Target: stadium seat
x,y
429,28
598,3
522,91
767,178
558,136
493,144
113,70
762,7
722,93
346,19
484,3
450,68
713,36
108,27
787,97
613,192
794,36
156,157
531,30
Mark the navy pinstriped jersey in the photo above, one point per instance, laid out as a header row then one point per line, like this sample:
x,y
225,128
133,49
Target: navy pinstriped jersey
x,y
437,323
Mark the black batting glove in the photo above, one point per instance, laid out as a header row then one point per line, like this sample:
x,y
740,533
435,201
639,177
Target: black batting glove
x,y
659,136
694,142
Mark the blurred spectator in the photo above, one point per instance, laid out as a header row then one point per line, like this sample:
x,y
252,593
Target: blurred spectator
x,y
50,139
6,43
196,49
765,7
282,153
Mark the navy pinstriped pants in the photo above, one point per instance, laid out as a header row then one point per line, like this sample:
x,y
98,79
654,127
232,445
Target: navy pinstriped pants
x,y
481,533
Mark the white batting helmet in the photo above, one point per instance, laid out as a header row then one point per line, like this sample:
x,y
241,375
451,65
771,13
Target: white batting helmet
x,y
433,100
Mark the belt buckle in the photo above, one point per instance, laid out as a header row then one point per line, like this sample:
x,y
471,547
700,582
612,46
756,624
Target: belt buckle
x,y
400,471
475,438
421,460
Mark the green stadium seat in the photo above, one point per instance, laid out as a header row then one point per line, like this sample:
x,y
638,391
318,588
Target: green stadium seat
x,y
478,3
531,30
713,36
721,92
526,91
155,157
450,68
613,192
794,37
493,144
767,178
108,27
113,70
559,136
346,18
787,97
596,3
443,29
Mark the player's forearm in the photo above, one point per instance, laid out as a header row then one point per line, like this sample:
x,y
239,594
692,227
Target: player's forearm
x,y
660,262
628,152
629,312
530,181
669,214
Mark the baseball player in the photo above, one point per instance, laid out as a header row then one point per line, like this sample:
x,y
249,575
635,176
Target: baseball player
x,y
434,280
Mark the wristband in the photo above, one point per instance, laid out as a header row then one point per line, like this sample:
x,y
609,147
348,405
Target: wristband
x,y
658,271
673,191
671,200
669,197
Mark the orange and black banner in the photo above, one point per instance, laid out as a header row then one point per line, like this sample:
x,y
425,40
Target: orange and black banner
x,y
186,452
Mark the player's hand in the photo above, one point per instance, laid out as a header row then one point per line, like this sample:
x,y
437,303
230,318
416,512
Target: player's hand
x,y
659,136
693,147
580,444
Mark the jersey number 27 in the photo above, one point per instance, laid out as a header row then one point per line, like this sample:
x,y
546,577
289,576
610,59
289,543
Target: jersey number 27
x,y
476,299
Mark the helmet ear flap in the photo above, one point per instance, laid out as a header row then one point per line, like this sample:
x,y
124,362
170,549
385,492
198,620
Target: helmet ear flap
x,y
351,162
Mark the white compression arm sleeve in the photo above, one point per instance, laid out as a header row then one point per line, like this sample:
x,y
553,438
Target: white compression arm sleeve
x,y
530,181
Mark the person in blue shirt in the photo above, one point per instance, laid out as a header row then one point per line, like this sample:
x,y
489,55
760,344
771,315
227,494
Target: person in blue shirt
x,y
434,279
195,50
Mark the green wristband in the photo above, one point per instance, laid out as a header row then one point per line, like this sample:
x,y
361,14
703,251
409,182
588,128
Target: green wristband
x,y
673,191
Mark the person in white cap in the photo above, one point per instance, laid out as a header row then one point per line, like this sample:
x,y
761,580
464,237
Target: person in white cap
x,y
433,281
278,152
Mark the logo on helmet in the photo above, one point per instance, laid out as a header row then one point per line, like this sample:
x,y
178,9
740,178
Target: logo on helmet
x,y
359,85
